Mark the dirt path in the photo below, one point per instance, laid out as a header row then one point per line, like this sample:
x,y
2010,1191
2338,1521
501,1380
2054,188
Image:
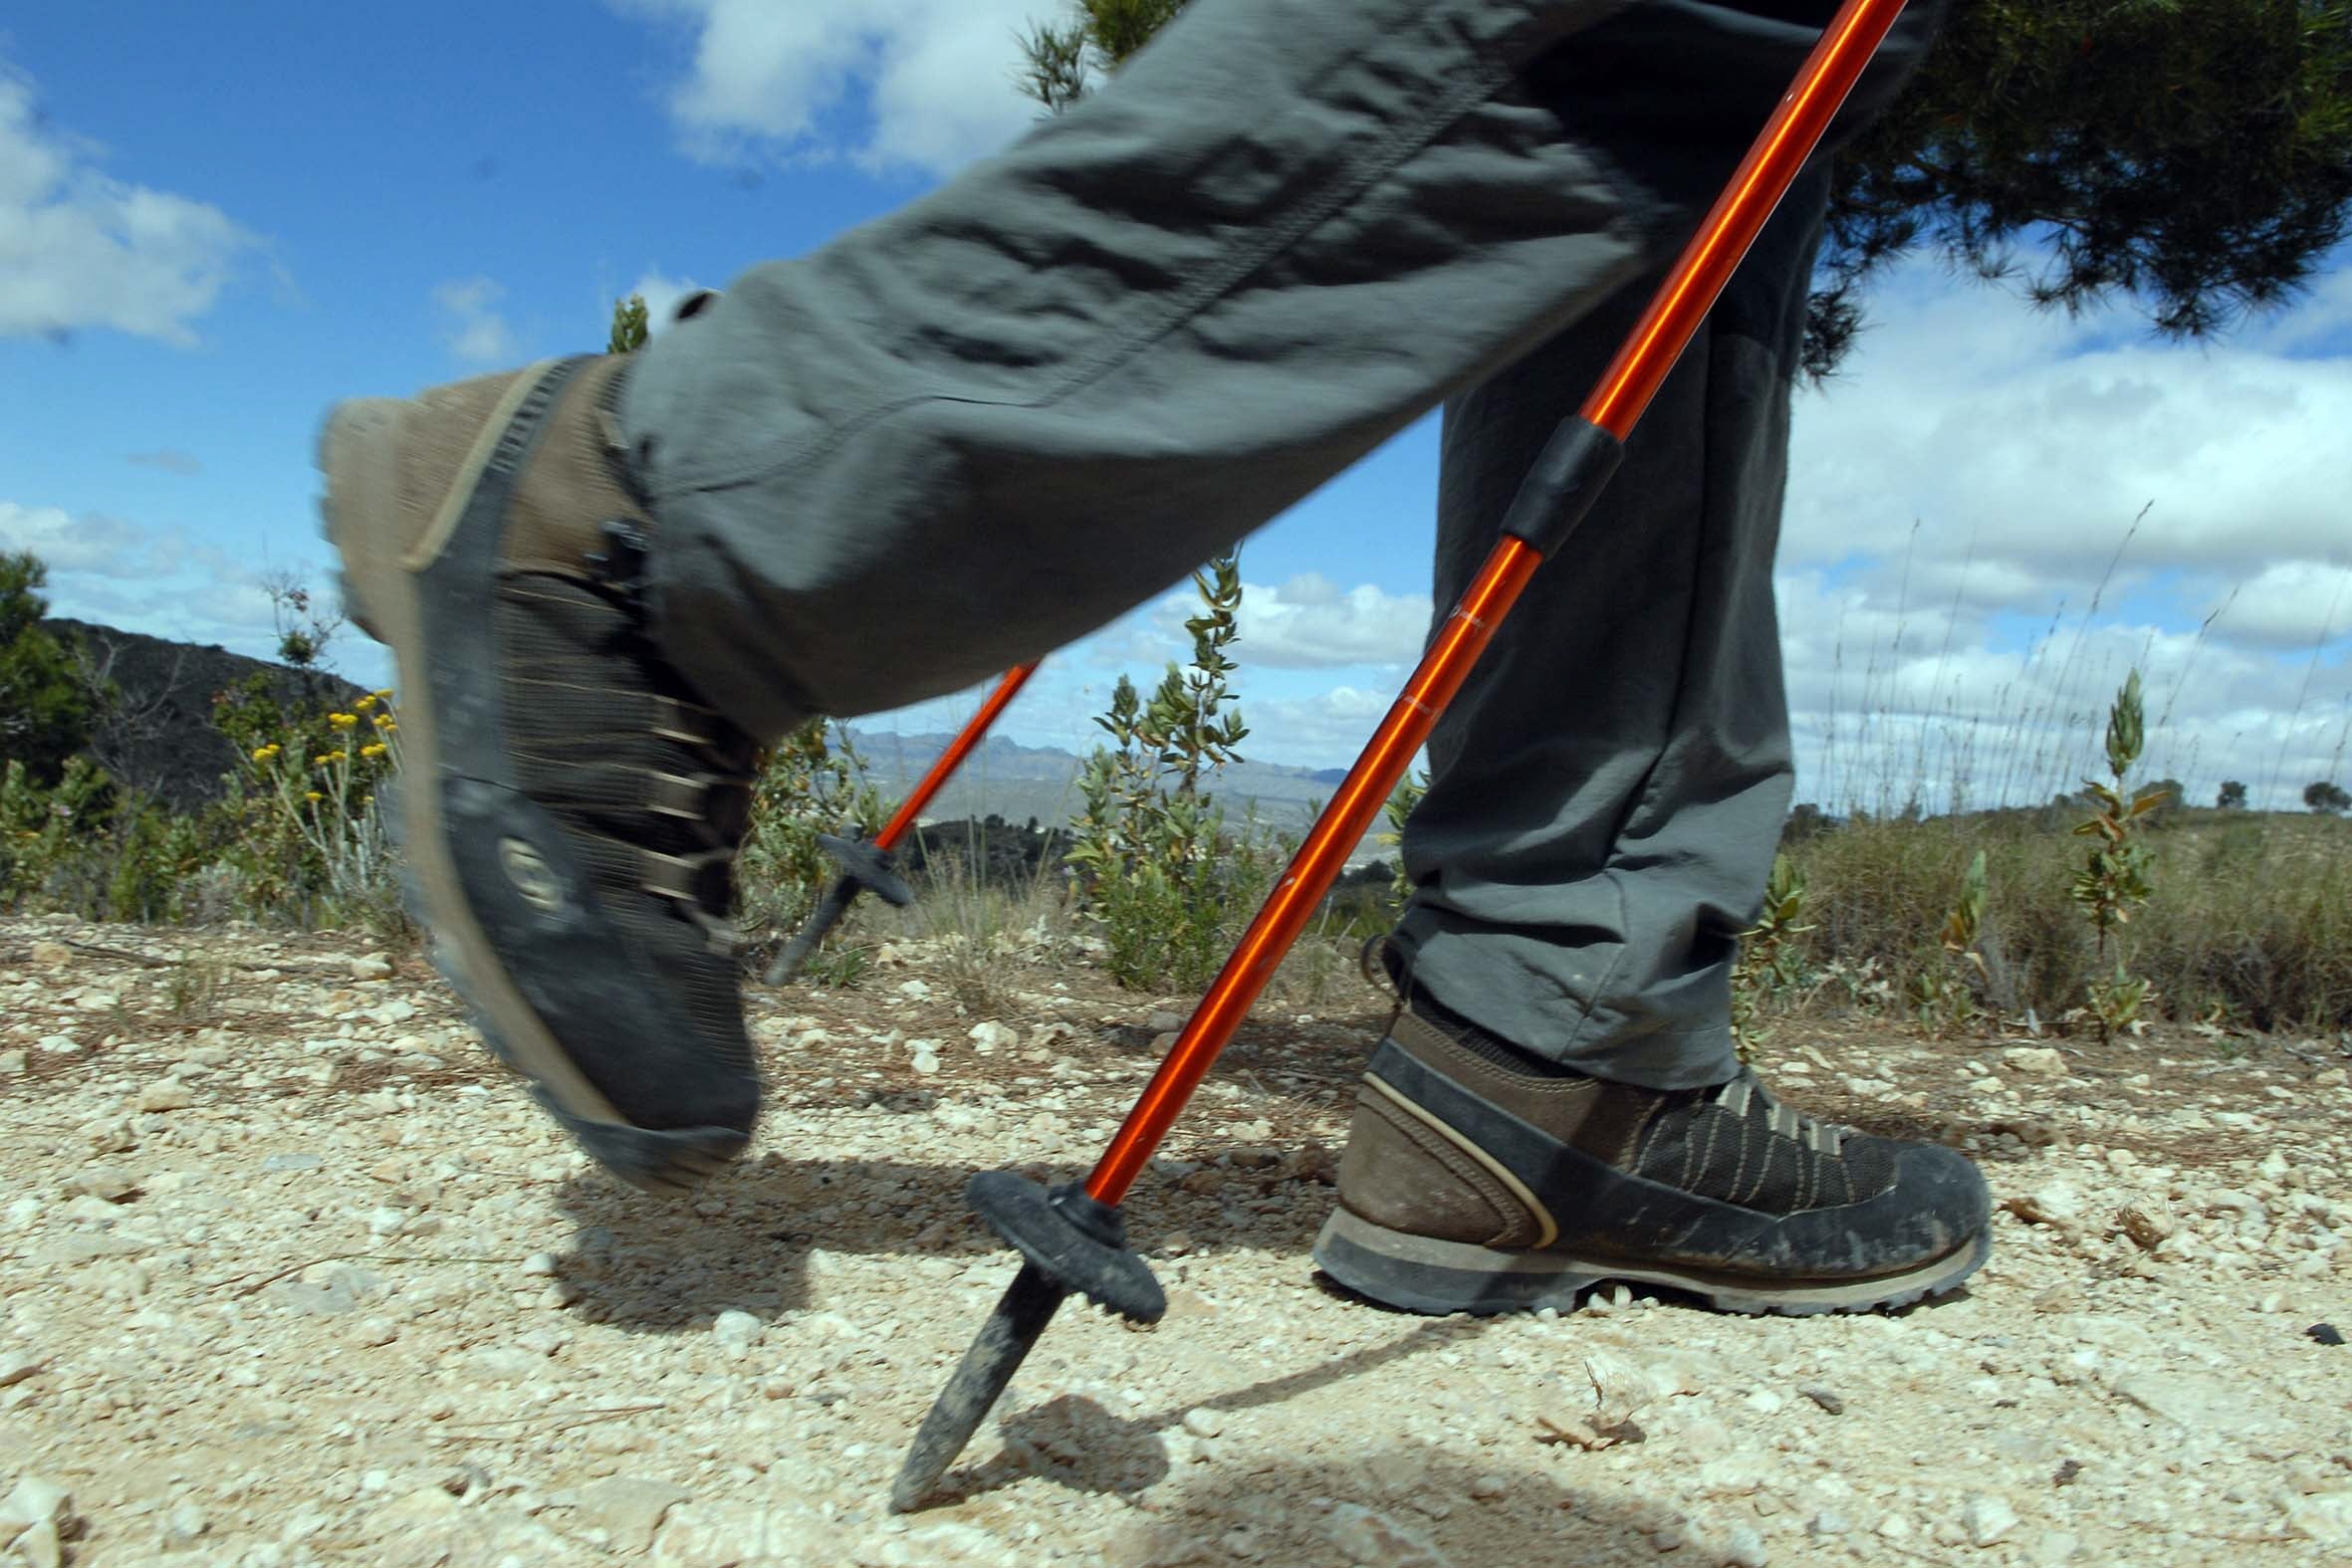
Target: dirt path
x,y
289,1275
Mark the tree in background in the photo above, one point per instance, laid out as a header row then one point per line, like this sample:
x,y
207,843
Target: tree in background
x,y
2321,795
2175,795
2196,158
2231,797
45,714
630,327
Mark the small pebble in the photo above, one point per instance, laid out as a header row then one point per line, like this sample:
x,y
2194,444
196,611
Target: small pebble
x,y
103,1181
1987,1519
1824,1398
1203,1422
2326,1333
183,1524
165,1094
1744,1548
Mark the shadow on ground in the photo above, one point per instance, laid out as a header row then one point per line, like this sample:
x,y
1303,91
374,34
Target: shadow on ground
x,y
651,1263
1381,1499
1394,1502
1432,1513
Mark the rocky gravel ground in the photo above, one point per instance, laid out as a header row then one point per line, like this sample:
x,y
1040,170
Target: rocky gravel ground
x,y
291,1274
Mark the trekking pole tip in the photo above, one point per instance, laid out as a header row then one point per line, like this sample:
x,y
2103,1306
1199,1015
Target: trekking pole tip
x,y
1070,1244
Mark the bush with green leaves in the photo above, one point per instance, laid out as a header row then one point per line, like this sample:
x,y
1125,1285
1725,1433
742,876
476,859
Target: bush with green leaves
x,y
44,827
84,846
2114,878
1408,794
1161,869
1772,959
811,781
309,827
1945,995
44,712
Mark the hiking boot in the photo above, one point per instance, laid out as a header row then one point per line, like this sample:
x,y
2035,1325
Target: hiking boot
x,y
1479,1179
570,806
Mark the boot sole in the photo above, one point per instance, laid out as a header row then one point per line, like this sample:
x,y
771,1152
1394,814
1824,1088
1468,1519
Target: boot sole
x,y
1420,1273
359,454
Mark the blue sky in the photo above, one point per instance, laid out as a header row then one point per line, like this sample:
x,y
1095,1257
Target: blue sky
x,y
215,221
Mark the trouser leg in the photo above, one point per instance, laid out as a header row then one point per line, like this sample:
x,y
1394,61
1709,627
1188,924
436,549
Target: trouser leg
x,y
971,431
1607,789
978,429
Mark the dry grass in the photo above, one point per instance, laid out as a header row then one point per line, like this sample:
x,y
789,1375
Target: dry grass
x,y
2251,921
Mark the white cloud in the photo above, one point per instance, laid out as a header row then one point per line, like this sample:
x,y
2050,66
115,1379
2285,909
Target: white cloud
x,y
80,248
1309,623
2027,443
472,328
1305,623
2296,604
1964,585
1323,729
1938,706
162,582
920,84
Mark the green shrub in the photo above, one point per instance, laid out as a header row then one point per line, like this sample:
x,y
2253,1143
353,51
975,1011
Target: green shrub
x,y
1771,961
809,783
44,712
1169,881
309,829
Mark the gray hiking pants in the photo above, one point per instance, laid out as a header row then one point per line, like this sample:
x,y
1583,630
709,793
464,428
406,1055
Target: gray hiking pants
x,y
966,433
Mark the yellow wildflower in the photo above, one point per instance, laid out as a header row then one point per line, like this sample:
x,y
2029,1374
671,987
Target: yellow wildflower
x,y
264,753
364,703
383,721
374,749
342,721
386,693
313,795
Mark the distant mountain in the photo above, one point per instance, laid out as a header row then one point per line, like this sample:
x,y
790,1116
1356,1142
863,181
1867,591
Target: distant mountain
x,y
159,739
168,746
1003,778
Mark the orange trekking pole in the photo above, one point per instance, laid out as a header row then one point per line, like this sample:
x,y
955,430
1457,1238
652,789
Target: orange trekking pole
x,y
1072,1239
866,863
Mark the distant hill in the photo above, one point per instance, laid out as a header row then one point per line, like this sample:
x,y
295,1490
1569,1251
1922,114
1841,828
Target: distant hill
x,y
1003,778
163,742
160,739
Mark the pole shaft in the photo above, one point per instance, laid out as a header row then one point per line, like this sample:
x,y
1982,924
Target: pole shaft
x,y
1738,214
950,759
1004,1342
